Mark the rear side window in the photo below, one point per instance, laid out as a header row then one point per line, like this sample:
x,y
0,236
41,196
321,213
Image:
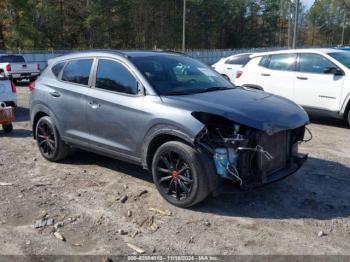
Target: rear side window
x,y
238,60
77,71
264,61
12,59
285,62
113,76
314,63
56,69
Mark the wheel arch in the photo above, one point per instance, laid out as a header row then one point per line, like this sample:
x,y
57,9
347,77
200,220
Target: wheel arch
x,y
346,107
40,111
157,137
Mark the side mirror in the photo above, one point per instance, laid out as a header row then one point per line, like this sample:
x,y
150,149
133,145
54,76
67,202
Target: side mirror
x,y
141,89
334,71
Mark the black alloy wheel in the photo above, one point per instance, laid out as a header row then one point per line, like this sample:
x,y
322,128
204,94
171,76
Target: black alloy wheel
x,y
174,175
49,141
46,139
181,173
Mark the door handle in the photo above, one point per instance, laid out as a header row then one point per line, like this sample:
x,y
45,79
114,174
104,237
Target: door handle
x,y
229,68
94,104
302,77
264,74
55,94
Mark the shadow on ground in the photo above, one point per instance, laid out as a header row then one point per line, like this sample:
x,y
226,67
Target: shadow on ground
x,y
86,158
333,122
319,190
16,133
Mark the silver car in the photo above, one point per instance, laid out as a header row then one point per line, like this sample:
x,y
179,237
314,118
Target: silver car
x,y
169,113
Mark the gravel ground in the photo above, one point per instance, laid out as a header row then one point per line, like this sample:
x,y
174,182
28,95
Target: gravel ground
x,y
84,196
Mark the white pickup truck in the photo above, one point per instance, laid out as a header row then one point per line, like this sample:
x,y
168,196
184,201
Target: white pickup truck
x,y
15,67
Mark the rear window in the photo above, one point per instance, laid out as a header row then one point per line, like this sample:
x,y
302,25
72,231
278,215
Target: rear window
x,y
77,71
56,69
284,62
238,60
12,59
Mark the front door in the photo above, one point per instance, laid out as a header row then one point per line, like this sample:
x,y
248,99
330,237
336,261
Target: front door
x,y
114,113
314,87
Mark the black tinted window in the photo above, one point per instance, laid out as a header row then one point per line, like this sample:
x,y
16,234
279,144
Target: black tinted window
x,y
285,62
77,71
56,69
12,59
314,63
238,60
113,76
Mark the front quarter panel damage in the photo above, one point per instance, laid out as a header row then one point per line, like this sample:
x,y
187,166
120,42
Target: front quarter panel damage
x,y
249,156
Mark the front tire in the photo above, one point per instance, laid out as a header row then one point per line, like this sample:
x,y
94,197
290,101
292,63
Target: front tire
x,y
49,141
179,174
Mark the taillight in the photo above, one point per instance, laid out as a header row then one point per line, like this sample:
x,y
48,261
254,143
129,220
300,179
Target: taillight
x,y
238,74
8,68
31,86
38,67
13,87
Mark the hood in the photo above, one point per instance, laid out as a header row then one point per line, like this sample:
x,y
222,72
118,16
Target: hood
x,y
256,109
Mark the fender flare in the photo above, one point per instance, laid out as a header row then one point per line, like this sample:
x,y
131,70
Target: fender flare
x,y
345,106
160,130
39,108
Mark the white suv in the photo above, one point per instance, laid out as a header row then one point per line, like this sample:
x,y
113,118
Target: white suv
x,y
317,79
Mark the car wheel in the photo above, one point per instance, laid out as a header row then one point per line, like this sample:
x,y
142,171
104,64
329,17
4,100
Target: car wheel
x,y
349,117
179,174
49,142
7,128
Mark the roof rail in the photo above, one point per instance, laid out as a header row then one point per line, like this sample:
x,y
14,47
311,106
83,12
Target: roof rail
x,y
172,51
103,50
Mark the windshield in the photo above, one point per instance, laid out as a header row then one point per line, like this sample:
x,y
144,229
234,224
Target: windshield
x,y
179,75
342,57
11,59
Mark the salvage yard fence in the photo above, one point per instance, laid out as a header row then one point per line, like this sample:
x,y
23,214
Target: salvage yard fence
x,y
209,56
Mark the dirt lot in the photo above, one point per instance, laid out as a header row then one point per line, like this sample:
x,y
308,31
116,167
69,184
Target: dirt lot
x,y
85,193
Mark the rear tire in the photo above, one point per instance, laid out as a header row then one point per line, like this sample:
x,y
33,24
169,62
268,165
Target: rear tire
x,y
49,141
180,175
349,117
7,128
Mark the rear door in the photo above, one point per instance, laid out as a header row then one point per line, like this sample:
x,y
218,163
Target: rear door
x,y
313,86
67,98
115,109
277,74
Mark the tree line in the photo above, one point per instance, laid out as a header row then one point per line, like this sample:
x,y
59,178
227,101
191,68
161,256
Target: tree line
x,y
149,24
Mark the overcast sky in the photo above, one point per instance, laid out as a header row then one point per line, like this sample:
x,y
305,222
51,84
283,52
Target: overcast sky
x,y
307,3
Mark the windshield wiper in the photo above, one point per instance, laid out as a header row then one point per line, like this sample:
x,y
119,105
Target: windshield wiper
x,y
177,93
214,88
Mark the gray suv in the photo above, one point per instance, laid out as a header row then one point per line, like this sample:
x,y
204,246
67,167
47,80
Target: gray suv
x,y
169,113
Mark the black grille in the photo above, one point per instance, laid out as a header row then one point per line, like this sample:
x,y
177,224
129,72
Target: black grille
x,y
278,146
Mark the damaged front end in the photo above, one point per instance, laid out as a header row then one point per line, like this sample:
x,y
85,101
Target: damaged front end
x,y
249,156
